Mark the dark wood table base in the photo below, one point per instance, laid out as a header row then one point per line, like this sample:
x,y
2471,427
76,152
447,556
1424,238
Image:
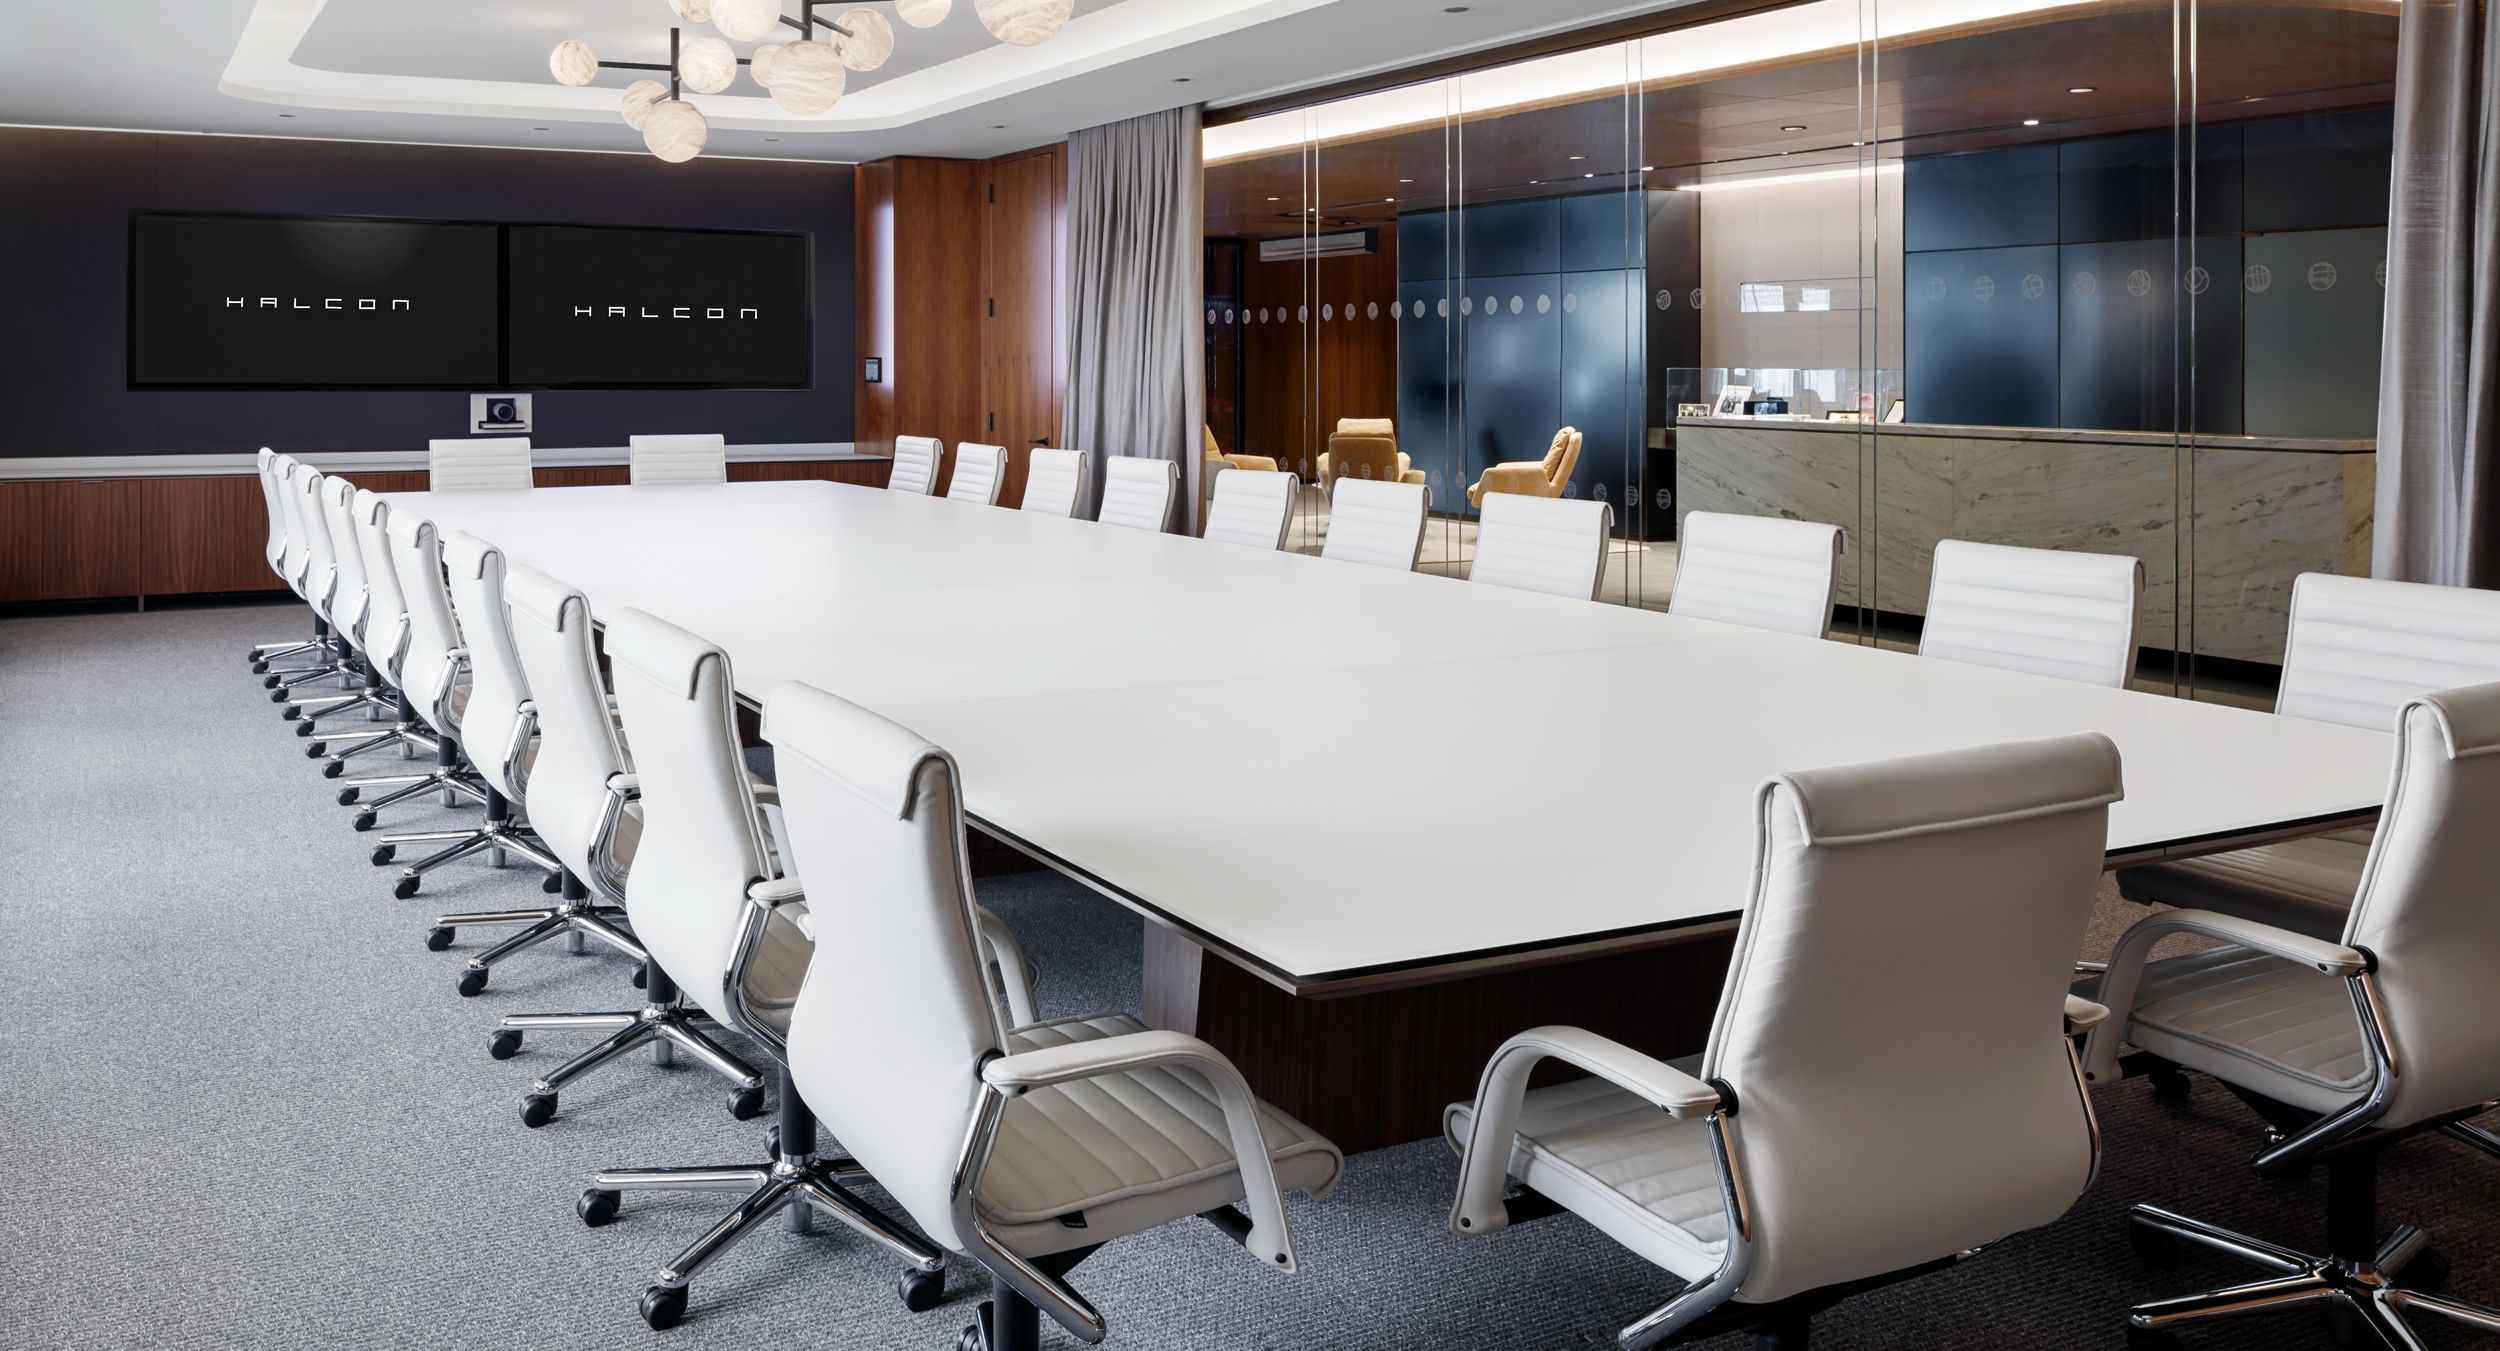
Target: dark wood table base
x,y
1375,1069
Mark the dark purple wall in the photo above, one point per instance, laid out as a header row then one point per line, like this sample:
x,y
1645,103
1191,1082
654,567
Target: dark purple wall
x,y
65,201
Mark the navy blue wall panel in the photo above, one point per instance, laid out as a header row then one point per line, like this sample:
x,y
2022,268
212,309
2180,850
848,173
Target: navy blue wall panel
x,y
1512,389
1601,231
1983,200
2323,172
1424,246
1431,424
2121,331
1510,239
2127,187
1979,329
1601,373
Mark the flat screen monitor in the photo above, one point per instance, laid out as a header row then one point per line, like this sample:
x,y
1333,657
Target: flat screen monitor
x,y
305,303
599,306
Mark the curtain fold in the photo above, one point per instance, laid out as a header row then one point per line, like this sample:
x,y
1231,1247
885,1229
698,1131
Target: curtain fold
x,y
2439,370
1136,385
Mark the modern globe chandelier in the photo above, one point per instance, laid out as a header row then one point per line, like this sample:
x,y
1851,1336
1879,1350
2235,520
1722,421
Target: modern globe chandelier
x,y
805,76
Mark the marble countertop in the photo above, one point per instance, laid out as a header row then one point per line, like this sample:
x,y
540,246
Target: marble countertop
x,y
2289,444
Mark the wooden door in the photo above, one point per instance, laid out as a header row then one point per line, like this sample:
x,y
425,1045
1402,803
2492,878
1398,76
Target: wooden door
x,y
1023,371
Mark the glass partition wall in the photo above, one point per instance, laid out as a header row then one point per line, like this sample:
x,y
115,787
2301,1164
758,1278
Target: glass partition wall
x,y
2085,276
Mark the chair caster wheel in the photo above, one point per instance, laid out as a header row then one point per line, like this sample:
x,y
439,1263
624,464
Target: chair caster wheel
x,y
329,771
2171,1084
348,796
364,820
921,1290
976,1335
642,979
537,1109
506,1043
472,981
261,668
404,888
2154,1246
2426,1274
278,696
383,854
437,939
663,1307
551,886
747,1103
315,750
597,1208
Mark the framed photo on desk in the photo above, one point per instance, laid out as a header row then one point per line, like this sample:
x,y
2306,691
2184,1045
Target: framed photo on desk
x,y
1732,401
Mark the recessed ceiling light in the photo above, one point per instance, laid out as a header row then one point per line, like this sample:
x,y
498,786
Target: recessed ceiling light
x,y
1588,175
286,114
998,126
1535,181
1794,126
1649,169
1577,158
1388,199
2031,121
772,140
1180,79
1456,9
2084,89
1275,199
547,129
1406,180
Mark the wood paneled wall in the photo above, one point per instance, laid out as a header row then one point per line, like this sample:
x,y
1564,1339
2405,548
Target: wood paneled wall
x,y
1299,375
87,539
961,285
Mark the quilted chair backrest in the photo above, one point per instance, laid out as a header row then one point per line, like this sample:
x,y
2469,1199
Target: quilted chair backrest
x,y
1054,481
1556,545
1893,1026
349,599
297,566
425,668
2357,648
1374,522
577,747
700,846
386,605
1136,492
676,459
2043,611
1252,508
464,463
497,687
915,465
888,1049
1757,571
980,471
266,463
2426,908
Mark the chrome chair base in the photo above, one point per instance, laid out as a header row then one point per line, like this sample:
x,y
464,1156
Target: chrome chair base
x,y
574,917
795,1180
2366,1291
663,1023
499,835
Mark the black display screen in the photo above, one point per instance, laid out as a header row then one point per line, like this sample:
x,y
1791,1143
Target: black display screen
x,y
598,306
247,301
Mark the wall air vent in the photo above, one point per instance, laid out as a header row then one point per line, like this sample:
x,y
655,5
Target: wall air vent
x,y
1319,246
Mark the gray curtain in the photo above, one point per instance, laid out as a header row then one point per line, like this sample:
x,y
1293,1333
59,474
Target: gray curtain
x,y
2439,371
1136,380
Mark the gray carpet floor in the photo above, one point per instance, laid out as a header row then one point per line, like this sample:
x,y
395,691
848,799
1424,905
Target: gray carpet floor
x,y
243,1107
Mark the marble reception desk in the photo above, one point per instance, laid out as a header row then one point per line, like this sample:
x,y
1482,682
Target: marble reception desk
x,y
2263,509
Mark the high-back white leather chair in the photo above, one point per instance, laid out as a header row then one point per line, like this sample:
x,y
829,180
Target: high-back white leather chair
x,y
2041,611
494,734
464,463
915,465
1757,571
336,599
433,678
2352,1043
1054,481
708,841
277,549
383,641
992,1138
1927,906
676,459
1556,545
1138,492
1377,521
980,471
2355,650
1252,508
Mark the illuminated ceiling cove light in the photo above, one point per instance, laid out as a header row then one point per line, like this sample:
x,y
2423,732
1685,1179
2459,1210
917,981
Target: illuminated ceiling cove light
x,y
1816,27
1890,166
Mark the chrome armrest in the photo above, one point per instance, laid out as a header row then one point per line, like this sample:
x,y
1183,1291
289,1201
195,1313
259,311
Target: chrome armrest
x,y
1270,1240
622,789
2126,968
1485,1166
1015,972
765,898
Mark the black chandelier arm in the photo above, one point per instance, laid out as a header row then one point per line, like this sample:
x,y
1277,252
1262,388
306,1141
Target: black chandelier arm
x,y
807,26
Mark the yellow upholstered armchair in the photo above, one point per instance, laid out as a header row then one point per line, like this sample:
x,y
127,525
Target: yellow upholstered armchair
x,y
1532,478
1367,447
1216,452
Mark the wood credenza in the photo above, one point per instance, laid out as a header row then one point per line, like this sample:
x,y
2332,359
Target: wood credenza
x,y
176,535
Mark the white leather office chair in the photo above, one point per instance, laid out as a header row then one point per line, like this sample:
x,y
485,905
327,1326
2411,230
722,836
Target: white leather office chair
x,y
915,465
1252,507
433,681
980,471
2345,1045
277,550
1926,907
1556,545
464,463
708,838
1757,571
384,642
1377,521
316,575
490,714
565,755
319,657
2354,652
676,459
1137,492
1023,1148
350,598
2041,611
1054,481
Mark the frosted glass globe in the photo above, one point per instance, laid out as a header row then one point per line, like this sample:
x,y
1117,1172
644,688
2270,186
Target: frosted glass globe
x,y
707,64
922,13
807,78
573,63
1023,22
871,40
760,65
746,20
675,130
692,11
639,96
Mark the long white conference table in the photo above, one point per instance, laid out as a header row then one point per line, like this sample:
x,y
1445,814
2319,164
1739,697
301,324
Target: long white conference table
x,y
1408,815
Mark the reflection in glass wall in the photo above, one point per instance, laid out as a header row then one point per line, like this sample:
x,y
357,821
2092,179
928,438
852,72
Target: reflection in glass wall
x,y
2026,273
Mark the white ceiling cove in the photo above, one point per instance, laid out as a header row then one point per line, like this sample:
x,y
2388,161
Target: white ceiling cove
x,y
474,72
